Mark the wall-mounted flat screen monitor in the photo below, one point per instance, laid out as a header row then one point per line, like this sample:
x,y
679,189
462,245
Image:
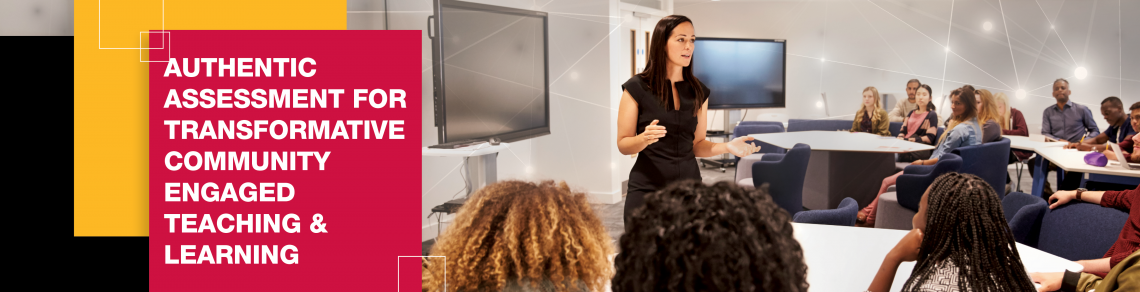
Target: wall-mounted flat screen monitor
x,y
490,72
742,73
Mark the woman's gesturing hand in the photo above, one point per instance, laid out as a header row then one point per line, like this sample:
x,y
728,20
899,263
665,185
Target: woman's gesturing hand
x,y
741,148
653,132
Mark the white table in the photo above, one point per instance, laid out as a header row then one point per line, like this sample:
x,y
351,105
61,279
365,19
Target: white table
x,y
843,258
843,164
1031,144
1072,160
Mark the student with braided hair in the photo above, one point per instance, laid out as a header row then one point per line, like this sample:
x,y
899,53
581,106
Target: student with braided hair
x,y
964,130
960,240
722,237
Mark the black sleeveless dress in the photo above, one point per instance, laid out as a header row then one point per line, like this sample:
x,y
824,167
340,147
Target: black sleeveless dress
x,y
671,159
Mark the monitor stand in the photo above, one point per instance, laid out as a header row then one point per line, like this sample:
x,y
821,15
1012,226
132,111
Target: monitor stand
x,y
479,164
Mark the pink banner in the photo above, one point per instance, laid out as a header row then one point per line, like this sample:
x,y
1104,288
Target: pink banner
x,y
284,160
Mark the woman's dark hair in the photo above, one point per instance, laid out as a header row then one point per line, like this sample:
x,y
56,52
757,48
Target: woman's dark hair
x,y
970,100
656,74
694,237
930,103
965,225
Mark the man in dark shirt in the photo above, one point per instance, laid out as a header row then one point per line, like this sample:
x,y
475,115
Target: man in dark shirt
x,y
1119,127
1119,130
1066,121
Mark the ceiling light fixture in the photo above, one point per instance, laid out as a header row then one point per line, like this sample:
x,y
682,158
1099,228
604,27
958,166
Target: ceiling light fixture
x,y
1081,73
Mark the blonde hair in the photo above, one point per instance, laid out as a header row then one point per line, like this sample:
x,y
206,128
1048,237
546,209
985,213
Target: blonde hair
x,y
989,107
524,231
1001,98
875,117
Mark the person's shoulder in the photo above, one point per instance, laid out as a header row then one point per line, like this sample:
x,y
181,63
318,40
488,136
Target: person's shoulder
x,y
1014,112
1080,107
881,111
634,81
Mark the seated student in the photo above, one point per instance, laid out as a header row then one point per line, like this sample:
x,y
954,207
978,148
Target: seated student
x,y
921,125
960,240
721,237
1123,277
871,118
964,130
1119,131
1119,127
988,116
904,106
522,236
1065,121
1134,143
1129,240
1012,123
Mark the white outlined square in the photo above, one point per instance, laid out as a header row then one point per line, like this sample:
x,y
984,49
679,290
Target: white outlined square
x,y
165,38
100,31
444,270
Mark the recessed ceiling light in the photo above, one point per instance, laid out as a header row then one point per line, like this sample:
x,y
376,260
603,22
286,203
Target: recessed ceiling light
x,y
1081,73
988,26
1020,93
947,49
1052,27
819,104
822,60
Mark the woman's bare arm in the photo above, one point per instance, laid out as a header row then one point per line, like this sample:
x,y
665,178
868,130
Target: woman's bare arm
x,y
628,141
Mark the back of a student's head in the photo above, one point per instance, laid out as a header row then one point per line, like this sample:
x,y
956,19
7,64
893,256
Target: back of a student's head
x,y
515,235
962,222
695,237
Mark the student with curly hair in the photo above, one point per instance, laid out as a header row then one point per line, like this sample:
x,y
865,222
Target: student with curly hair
x,y
694,237
522,236
960,240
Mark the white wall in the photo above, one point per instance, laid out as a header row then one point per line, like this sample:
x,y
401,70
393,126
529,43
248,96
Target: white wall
x,y
581,147
885,43
37,18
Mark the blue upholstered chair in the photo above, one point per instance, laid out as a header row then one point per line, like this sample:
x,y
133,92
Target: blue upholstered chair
x,y
842,216
1080,231
895,128
784,174
770,123
1024,213
897,208
989,161
797,125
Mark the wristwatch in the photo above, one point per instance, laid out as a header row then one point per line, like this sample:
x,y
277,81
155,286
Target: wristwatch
x,y
1079,191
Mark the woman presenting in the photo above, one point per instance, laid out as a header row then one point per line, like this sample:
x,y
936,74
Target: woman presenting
x,y
662,116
